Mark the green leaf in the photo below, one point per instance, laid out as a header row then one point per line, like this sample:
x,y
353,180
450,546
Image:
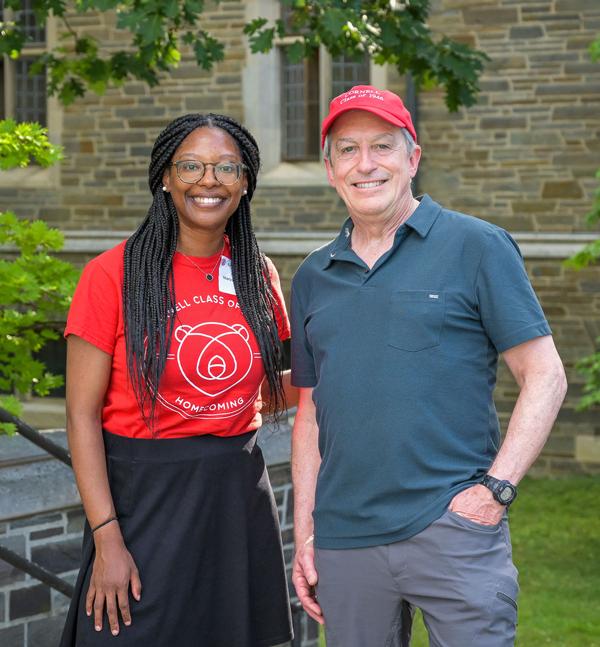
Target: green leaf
x,y
171,8
589,255
389,35
24,142
7,428
295,51
172,56
85,45
262,40
280,28
594,50
334,21
11,404
207,50
151,29
254,25
12,39
97,5
193,6
70,90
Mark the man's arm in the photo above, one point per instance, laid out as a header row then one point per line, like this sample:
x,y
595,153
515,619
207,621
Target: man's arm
x,y
290,392
538,370
305,467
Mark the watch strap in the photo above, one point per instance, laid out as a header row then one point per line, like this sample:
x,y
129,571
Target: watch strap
x,y
503,491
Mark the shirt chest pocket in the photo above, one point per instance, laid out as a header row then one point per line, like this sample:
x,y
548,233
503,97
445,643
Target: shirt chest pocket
x,y
416,319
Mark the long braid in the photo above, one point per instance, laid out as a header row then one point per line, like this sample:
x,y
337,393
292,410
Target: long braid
x,y
148,284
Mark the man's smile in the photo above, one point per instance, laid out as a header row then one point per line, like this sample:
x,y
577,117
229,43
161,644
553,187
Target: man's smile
x,y
371,184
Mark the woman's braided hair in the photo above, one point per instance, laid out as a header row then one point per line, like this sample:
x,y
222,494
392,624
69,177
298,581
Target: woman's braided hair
x,y
148,286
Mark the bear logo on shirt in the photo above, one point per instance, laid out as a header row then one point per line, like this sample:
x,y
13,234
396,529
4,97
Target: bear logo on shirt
x,y
212,356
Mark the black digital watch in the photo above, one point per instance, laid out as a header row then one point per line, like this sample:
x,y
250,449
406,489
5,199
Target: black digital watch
x,y
504,491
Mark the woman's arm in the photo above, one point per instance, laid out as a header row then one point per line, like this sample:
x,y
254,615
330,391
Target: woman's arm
x,y
88,374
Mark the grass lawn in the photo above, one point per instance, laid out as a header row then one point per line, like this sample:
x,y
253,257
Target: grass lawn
x,y
555,528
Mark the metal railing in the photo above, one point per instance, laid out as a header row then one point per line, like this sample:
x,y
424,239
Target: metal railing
x,y
50,579
9,556
36,438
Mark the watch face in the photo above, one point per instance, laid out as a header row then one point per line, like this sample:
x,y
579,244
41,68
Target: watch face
x,y
506,494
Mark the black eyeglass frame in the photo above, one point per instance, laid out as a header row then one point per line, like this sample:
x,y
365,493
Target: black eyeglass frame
x,y
240,166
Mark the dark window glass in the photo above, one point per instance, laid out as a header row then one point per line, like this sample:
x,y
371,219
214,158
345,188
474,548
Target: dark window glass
x,y
346,73
300,100
300,106
2,95
25,17
26,100
30,104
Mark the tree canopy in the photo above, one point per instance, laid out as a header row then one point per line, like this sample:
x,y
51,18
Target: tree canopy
x,y
390,31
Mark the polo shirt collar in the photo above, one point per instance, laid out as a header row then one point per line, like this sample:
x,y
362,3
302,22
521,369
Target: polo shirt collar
x,y
421,220
424,215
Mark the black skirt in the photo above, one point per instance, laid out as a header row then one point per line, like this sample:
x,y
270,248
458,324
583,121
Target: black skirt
x,y
199,518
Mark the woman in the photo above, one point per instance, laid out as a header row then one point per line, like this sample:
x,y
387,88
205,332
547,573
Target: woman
x,y
169,337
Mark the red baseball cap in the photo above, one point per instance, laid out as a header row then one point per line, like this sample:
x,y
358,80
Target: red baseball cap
x,y
383,103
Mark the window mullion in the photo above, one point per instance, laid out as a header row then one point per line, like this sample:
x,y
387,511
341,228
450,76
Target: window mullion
x,y
324,86
10,94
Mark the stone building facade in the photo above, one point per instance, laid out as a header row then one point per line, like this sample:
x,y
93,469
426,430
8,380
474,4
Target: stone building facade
x,y
524,158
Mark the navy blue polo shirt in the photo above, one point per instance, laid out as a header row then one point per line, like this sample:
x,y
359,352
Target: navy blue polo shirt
x,y
402,359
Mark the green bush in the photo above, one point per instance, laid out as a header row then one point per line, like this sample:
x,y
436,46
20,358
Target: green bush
x,y
35,287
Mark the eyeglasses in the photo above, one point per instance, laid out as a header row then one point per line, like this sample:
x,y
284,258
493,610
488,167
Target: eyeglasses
x,y
192,171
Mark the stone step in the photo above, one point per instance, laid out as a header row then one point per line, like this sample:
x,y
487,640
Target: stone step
x,y
45,413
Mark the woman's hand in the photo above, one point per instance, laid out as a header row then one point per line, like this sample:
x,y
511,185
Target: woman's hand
x,y
114,571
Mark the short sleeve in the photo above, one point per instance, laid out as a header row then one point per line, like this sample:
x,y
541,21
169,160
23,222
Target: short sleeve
x,y
509,309
283,322
303,364
95,310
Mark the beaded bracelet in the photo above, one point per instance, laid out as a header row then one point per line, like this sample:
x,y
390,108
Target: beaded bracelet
x,y
104,523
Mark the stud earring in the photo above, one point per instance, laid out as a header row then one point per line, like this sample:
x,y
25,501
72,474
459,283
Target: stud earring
x,y
164,188
245,191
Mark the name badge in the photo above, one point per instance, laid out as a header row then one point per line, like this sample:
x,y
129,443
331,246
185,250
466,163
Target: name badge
x,y
225,276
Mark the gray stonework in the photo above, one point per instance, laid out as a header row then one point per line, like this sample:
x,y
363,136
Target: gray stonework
x,y
48,530
524,157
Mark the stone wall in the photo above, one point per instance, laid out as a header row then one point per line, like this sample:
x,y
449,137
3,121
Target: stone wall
x,y
31,613
571,301
525,156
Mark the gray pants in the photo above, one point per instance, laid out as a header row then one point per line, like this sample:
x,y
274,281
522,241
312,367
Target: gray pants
x,y
458,572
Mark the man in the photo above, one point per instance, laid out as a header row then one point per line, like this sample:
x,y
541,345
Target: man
x,y
401,488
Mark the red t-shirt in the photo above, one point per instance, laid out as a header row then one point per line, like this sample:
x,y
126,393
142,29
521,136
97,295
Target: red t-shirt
x,y
211,383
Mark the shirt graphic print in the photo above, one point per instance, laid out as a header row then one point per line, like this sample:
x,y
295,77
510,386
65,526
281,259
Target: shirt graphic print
x,y
212,355
214,370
